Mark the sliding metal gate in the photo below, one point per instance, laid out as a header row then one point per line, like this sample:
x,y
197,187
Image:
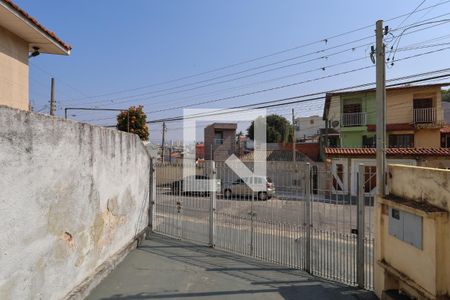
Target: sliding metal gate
x,y
319,219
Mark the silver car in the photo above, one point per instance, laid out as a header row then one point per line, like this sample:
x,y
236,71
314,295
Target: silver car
x,y
259,186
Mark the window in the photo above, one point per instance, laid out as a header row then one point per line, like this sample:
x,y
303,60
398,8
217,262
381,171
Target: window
x,y
423,103
218,137
352,108
401,141
368,141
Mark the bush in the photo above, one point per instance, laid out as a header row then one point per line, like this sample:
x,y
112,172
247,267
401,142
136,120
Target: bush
x,y
137,122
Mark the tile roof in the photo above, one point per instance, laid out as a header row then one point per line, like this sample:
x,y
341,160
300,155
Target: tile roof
x,y
24,14
392,127
389,152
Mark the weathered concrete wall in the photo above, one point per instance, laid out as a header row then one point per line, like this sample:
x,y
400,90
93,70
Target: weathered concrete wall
x,y
72,195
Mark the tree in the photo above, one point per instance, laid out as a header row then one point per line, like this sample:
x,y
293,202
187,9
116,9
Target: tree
x,y
278,129
446,95
137,122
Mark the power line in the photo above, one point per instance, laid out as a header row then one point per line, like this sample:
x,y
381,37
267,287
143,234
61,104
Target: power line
x,y
273,104
320,41
253,74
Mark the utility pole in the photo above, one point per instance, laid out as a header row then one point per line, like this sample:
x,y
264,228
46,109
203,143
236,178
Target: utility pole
x,y
380,108
293,136
163,141
52,98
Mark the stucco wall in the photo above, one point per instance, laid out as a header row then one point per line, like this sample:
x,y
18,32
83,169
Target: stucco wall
x,y
427,270
13,70
72,195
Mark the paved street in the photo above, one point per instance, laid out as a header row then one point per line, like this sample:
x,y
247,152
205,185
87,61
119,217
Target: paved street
x,y
163,268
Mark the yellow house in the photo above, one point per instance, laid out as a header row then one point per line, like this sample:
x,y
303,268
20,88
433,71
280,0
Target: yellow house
x,y
21,37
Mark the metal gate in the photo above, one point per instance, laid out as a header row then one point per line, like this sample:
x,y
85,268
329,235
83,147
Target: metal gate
x,y
300,220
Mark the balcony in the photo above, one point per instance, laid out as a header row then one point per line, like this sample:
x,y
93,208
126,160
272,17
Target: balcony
x,y
354,119
424,115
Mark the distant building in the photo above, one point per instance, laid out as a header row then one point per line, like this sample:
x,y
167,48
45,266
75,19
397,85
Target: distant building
x,y
220,141
20,35
199,151
308,128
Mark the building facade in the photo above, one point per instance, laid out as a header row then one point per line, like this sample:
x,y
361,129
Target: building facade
x,y
20,36
219,141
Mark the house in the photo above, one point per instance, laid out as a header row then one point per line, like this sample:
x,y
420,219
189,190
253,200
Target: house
x,y
416,132
414,116
307,128
21,37
199,151
220,141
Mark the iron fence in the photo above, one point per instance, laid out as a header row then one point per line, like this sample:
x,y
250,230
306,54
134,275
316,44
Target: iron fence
x,y
309,217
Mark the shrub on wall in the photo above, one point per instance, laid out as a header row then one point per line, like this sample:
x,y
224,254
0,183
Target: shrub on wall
x,y
134,121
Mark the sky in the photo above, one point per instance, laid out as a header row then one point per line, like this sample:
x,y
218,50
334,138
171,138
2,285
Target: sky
x,y
135,52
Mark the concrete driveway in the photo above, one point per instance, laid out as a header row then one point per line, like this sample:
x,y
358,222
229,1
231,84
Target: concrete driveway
x,y
163,268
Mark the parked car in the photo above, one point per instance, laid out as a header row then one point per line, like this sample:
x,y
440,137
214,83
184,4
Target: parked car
x,y
194,184
263,188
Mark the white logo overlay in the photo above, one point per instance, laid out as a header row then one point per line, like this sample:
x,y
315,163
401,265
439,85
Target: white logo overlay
x,y
196,183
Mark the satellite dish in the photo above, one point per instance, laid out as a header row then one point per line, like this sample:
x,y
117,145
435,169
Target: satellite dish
x,y
335,124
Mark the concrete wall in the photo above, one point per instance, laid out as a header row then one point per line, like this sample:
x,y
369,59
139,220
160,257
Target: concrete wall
x,y
422,273
14,70
72,195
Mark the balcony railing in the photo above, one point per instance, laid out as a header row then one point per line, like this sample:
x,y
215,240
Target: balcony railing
x,y
424,115
354,119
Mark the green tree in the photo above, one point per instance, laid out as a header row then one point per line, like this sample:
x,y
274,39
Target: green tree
x,y
446,95
136,123
278,129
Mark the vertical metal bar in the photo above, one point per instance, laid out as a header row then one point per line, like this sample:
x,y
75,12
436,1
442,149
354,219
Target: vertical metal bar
x,y
151,196
212,204
308,221
360,228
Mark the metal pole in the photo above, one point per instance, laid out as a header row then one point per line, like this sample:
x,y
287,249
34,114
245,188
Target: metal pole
x,y
163,140
308,220
52,98
212,205
293,136
65,113
360,220
381,108
152,196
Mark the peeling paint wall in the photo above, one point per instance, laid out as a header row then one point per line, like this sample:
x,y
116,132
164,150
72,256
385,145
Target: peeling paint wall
x,y
71,195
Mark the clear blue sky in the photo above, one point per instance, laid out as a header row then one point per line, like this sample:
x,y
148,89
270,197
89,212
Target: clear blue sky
x,y
120,45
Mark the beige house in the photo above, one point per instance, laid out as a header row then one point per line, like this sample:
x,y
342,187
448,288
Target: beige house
x,y
21,37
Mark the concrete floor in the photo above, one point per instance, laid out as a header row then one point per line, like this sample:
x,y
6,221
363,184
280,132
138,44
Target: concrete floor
x,y
163,268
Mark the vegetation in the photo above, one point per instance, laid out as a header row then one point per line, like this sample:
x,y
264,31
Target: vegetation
x,y
136,123
278,129
446,95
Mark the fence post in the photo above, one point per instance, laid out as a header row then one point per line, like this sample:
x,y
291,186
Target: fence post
x,y
360,226
151,196
308,220
212,205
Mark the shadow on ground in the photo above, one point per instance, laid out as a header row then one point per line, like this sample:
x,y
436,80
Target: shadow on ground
x,y
163,268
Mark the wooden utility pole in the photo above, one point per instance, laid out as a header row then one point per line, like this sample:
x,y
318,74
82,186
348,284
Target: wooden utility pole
x,y
293,135
52,98
163,140
380,108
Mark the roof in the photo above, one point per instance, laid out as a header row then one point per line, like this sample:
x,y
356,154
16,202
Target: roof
x,y
19,22
329,95
358,152
274,155
224,126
